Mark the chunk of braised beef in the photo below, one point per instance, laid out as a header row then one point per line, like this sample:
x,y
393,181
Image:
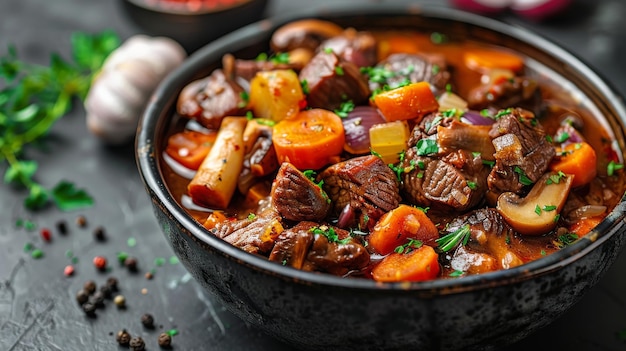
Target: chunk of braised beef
x,y
446,177
358,47
255,234
296,197
399,68
365,183
520,92
333,81
292,245
490,246
320,248
522,152
247,69
210,99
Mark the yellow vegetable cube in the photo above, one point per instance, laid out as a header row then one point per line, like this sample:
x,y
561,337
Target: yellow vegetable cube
x,y
276,94
389,140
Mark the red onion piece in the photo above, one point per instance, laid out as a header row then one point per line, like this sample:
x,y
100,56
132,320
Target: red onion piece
x,y
357,128
346,217
475,118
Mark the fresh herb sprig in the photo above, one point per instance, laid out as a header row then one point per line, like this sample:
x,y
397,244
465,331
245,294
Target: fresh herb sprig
x,y
32,98
451,240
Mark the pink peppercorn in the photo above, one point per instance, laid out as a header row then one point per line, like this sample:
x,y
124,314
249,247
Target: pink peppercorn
x,y
69,270
100,262
46,235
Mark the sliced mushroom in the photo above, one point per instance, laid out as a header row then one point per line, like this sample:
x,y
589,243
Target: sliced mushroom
x,y
539,211
260,157
308,33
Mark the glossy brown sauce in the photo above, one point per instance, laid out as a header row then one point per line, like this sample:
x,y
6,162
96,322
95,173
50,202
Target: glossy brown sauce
x,y
560,102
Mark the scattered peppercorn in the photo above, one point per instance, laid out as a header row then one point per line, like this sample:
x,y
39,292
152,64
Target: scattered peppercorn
x,y
97,299
165,340
81,221
149,275
131,264
123,337
100,262
90,287
36,254
45,233
137,344
99,234
82,296
68,270
62,227
147,320
112,283
106,291
119,301
89,308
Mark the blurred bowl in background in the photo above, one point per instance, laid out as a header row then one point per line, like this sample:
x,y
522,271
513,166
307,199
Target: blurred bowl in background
x,y
193,23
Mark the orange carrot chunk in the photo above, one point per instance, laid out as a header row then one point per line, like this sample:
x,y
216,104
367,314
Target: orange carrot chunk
x,y
189,148
412,101
399,225
418,265
484,60
310,140
578,159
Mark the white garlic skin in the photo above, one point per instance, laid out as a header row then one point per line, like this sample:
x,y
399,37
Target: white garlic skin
x,y
120,91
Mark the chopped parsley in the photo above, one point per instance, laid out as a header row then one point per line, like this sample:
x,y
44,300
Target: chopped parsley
x,y
305,87
345,108
451,240
612,167
523,178
565,240
281,57
538,210
330,234
555,178
409,246
245,98
339,71
427,147
471,185
503,113
456,273
562,137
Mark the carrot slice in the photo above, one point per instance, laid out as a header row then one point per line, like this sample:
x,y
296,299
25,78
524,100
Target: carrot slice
x,y
190,147
412,101
578,159
395,227
483,60
584,225
418,265
310,140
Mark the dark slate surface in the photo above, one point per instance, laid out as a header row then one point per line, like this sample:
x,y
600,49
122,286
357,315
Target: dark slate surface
x,y
37,306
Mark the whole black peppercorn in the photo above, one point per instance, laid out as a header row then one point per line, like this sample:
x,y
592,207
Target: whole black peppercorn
x,y
82,296
131,264
148,321
112,283
62,227
137,344
99,234
122,337
89,309
90,287
106,291
97,299
165,340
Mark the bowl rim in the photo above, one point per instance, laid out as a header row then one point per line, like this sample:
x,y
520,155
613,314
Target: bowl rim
x,y
168,89
181,9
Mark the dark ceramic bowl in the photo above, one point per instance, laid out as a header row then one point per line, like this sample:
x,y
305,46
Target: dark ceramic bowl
x,y
193,26
324,312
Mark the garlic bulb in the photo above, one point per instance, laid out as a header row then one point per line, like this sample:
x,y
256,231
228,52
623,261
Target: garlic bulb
x,y
129,75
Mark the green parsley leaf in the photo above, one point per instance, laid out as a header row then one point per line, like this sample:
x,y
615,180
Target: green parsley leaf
x,y
409,246
67,197
305,87
345,108
523,178
456,273
612,167
471,185
427,147
330,234
339,71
